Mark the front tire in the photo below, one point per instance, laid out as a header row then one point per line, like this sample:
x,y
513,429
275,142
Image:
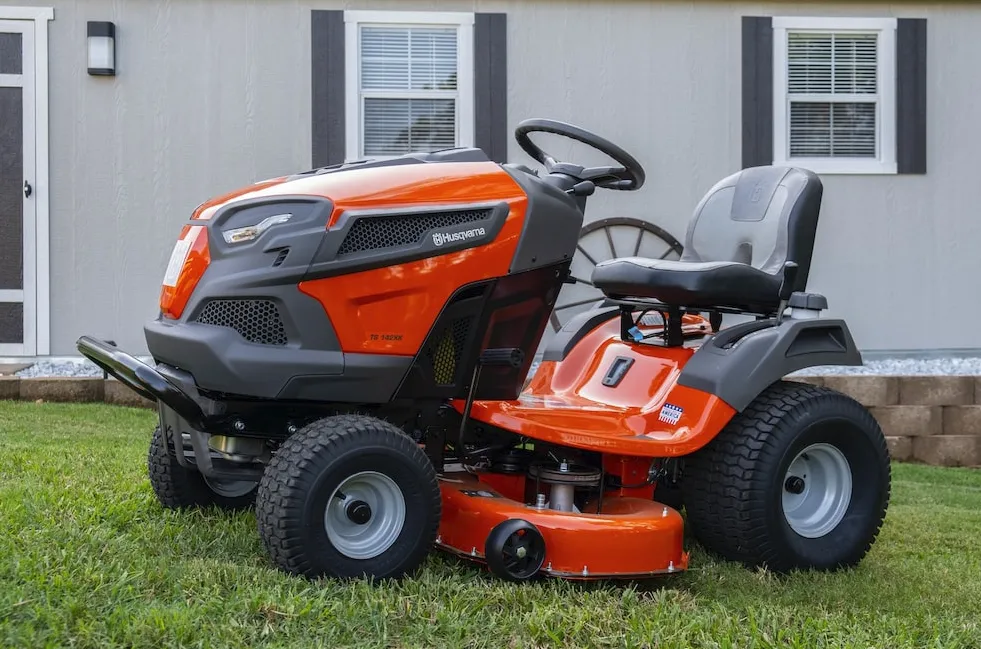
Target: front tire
x,y
177,487
349,496
799,480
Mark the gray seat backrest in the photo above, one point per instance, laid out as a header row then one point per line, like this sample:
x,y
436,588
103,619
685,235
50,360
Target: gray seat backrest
x,y
761,216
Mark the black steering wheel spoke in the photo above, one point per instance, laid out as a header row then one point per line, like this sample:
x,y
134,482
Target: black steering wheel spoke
x,y
628,175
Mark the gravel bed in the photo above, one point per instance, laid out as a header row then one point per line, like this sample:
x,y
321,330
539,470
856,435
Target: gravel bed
x,y
67,368
970,366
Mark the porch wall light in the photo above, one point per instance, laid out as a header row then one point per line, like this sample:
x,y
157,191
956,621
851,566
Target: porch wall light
x,y
102,48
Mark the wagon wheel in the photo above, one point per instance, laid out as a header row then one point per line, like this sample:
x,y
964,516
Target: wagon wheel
x,y
607,239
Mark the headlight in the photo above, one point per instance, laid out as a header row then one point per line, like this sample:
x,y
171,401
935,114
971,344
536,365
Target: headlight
x,y
252,232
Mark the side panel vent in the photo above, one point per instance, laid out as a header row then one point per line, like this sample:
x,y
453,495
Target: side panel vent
x,y
281,257
446,350
258,321
382,232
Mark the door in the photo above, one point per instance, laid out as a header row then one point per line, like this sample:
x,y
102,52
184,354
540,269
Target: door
x,y
18,293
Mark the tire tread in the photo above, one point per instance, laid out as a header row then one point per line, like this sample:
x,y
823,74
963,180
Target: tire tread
x,y
292,469
177,487
724,501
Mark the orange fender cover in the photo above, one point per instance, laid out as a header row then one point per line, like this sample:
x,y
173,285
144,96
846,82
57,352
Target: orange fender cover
x,y
632,537
647,414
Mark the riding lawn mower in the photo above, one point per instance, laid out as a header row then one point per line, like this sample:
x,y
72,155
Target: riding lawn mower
x,y
347,351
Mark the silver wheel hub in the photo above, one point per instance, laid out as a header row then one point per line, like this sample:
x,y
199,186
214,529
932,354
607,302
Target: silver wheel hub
x,y
230,488
817,490
365,515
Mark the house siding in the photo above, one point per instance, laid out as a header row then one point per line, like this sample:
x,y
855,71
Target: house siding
x,y
212,95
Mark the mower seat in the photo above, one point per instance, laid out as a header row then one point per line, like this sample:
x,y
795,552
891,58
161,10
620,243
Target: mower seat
x,y
741,235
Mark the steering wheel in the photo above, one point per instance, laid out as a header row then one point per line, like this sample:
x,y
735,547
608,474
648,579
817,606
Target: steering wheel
x,y
629,176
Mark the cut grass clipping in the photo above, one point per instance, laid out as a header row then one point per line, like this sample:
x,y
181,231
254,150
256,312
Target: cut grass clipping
x,y
89,559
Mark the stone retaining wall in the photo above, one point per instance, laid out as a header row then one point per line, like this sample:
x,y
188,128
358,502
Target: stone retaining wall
x,y
929,419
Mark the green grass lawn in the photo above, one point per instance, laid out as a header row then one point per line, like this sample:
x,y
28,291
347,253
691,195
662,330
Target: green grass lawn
x,y
89,559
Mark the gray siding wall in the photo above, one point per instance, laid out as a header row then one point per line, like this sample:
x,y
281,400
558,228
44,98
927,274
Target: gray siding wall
x,y
212,95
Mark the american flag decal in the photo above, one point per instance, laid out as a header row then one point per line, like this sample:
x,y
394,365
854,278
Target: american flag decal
x,y
670,414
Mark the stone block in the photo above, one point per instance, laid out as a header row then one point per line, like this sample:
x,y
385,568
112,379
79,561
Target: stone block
x,y
900,448
813,380
909,421
867,390
78,390
10,369
962,420
948,450
936,390
119,394
9,388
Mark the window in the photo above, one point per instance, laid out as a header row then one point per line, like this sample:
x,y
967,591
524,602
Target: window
x,y
409,82
834,94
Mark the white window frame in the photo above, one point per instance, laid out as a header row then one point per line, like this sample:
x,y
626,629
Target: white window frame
x,y
464,94
37,268
885,162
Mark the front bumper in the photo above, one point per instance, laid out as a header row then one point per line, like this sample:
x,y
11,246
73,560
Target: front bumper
x,y
141,378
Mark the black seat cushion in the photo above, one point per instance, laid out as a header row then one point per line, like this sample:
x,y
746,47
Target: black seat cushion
x,y
690,284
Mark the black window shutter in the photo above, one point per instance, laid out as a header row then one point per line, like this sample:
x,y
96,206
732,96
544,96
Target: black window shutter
x,y
328,87
490,62
757,78
911,89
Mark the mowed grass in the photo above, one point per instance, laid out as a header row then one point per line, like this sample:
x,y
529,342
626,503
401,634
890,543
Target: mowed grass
x,y
89,559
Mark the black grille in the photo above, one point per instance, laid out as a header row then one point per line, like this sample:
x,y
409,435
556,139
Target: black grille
x,y
379,232
445,353
258,321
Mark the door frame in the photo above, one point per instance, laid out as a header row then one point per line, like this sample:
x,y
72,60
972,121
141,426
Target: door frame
x,y
37,323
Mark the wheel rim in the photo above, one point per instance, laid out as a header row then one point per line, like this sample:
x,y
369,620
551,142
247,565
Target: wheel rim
x,y
231,488
817,490
522,554
364,515
515,550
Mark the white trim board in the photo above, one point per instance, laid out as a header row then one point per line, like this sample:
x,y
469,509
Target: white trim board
x,y
36,14
40,320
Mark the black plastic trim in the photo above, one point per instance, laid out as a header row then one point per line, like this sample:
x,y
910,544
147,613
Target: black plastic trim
x,y
456,154
575,330
367,378
739,363
814,301
618,369
327,263
222,361
552,223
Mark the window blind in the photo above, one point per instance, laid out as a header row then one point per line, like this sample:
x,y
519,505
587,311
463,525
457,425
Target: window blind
x,y
832,88
408,89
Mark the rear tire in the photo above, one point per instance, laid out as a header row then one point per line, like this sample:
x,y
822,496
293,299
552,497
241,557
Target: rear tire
x,y
799,480
177,487
349,496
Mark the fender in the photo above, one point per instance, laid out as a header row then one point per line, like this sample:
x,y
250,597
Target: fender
x,y
738,363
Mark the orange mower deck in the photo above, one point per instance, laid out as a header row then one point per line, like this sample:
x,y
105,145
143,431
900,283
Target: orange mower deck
x,y
630,538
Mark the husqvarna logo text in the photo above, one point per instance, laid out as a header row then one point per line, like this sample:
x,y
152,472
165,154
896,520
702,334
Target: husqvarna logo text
x,y
439,238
